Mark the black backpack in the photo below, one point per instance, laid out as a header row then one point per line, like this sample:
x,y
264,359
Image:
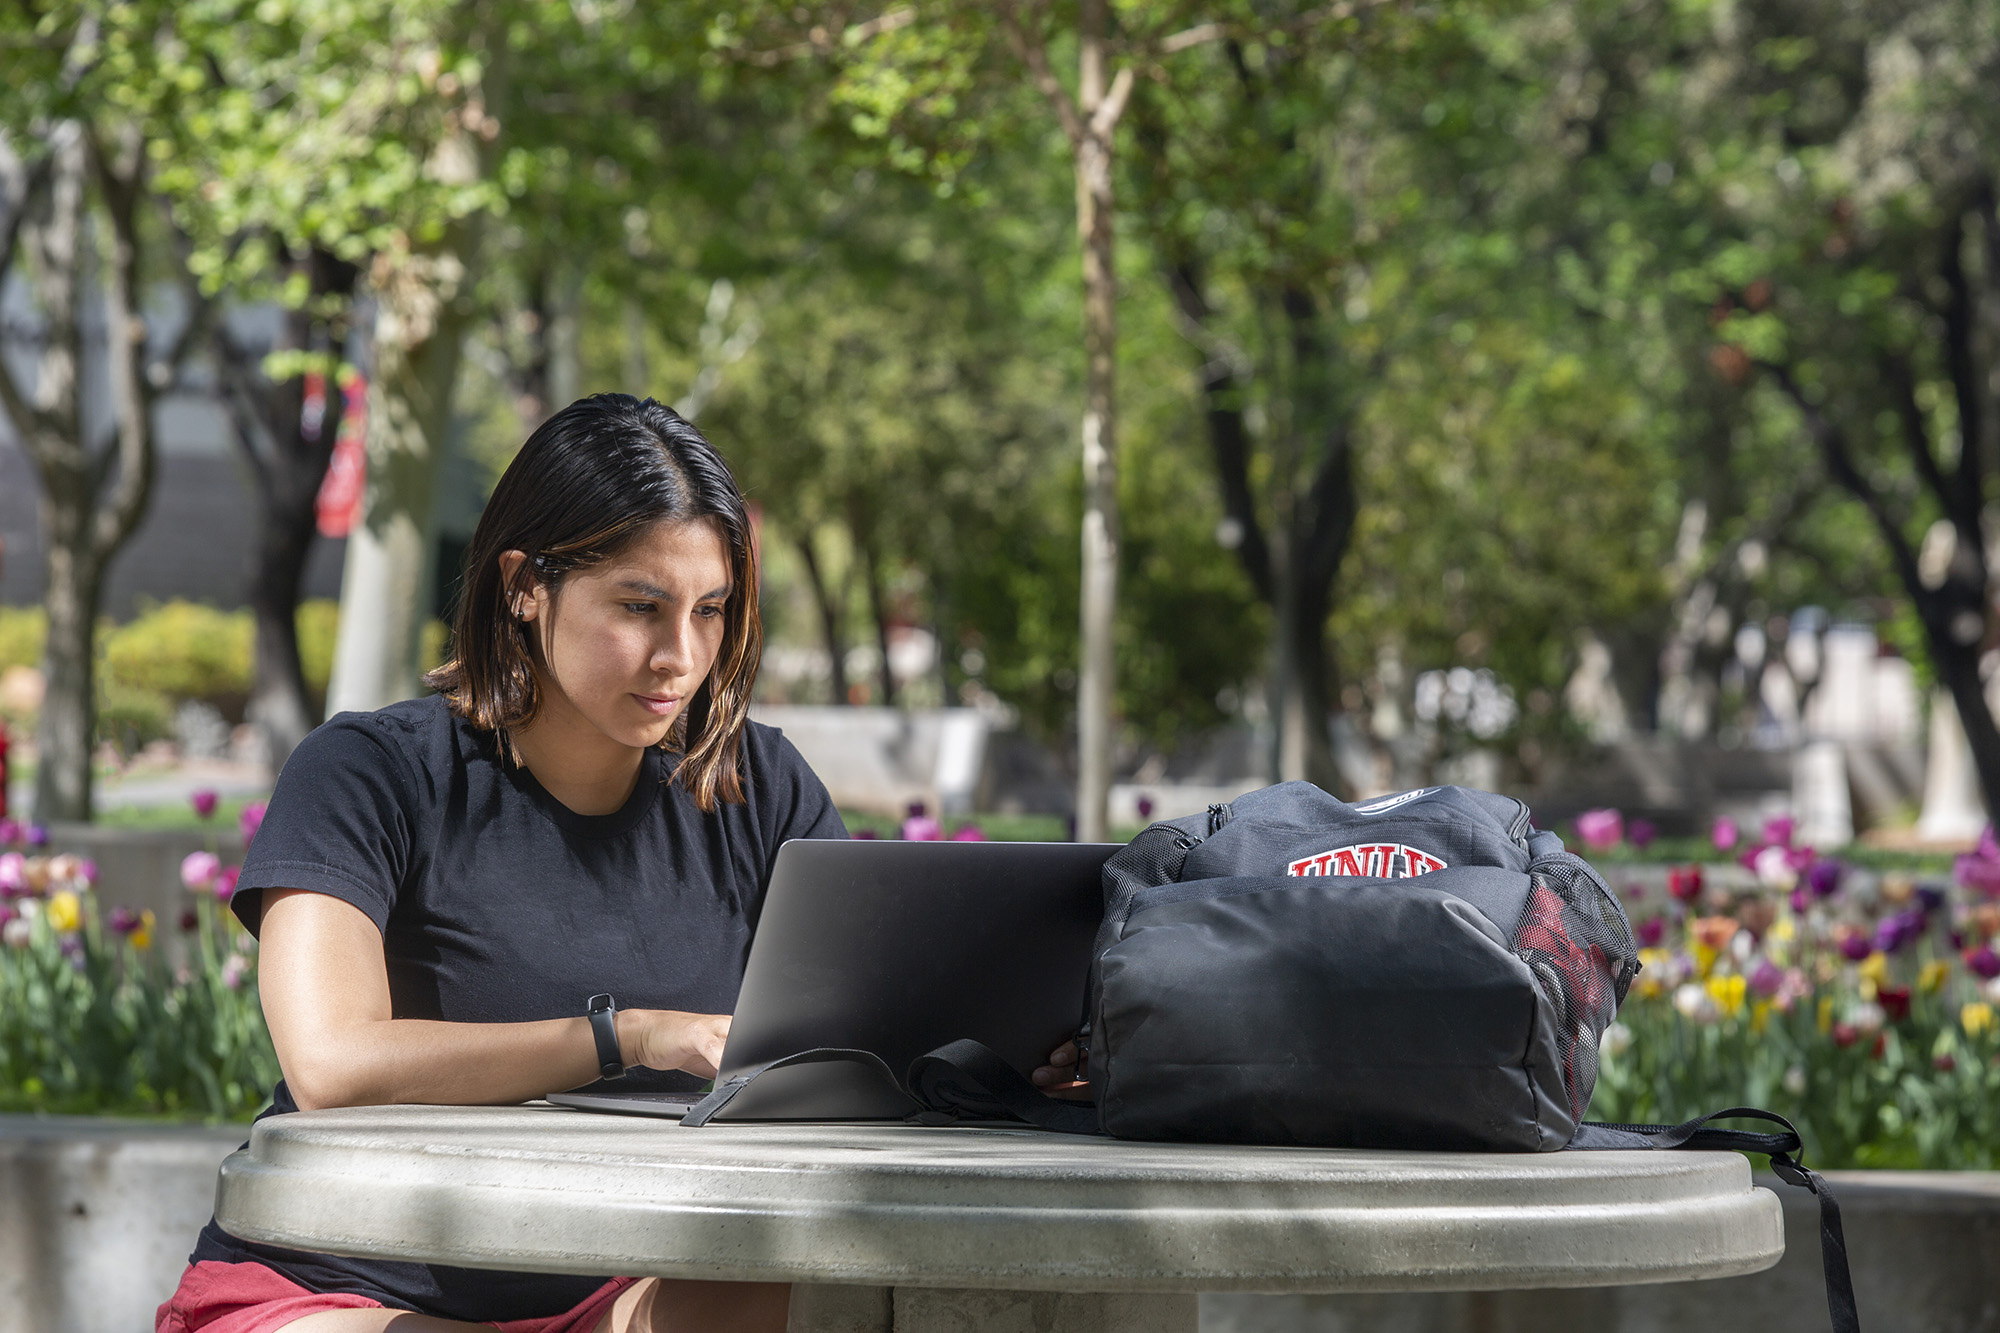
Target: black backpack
x,y
1420,971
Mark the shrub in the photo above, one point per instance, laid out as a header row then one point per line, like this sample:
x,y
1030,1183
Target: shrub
x,y
182,650
22,630
129,717
319,623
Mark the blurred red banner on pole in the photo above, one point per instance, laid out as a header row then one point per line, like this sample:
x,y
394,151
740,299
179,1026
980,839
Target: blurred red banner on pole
x,y
339,502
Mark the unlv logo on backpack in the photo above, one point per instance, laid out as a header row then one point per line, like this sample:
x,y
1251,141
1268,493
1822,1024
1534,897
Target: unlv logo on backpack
x,y
1374,860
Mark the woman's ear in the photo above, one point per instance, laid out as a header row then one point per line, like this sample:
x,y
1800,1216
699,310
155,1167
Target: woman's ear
x,y
524,595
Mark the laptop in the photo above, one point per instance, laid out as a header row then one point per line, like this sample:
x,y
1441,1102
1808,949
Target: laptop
x,y
898,948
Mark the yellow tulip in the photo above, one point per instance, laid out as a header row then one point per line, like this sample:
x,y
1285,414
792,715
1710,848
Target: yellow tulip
x,y
1976,1018
1824,1019
1935,974
1875,967
1728,993
1760,1015
65,911
142,938
1704,959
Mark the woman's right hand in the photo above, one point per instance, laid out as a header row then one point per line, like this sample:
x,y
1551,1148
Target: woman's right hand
x,y
670,1039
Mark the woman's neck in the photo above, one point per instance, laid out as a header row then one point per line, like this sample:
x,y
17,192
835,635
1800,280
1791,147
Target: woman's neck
x,y
585,770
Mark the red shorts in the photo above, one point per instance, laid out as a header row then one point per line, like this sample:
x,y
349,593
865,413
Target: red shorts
x,y
249,1298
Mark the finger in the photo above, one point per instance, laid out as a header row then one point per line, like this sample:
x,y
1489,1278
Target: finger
x,y
1063,1055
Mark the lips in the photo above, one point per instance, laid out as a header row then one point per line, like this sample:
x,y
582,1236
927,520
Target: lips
x,y
661,705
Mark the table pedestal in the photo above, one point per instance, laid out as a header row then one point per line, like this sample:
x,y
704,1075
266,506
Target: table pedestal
x,y
818,1308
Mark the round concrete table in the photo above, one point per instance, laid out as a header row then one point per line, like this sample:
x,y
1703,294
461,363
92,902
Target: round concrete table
x,y
898,1229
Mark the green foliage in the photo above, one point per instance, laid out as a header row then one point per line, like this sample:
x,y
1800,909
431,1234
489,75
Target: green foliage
x,y
22,629
181,650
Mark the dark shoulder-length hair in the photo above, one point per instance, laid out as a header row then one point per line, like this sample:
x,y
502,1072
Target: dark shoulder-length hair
x,y
584,487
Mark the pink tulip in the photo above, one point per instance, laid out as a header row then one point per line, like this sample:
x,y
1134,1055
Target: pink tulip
x,y
225,882
1779,829
969,833
251,820
199,869
1601,830
1724,834
204,802
922,828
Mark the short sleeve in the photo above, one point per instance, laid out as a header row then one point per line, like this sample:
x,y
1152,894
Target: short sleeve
x,y
796,803
340,823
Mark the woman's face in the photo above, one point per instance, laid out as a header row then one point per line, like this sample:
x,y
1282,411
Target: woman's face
x,y
626,643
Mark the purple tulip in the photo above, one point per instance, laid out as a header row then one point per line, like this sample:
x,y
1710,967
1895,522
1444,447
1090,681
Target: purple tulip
x,y
1983,962
1856,946
865,835
1930,897
1978,872
1145,807
1641,833
1767,978
1650,931
9,831
1724,833
1779,829
1824,877
38,835
1635,892
1893,932
969,833
1799,901
915,810
225,882
122,920
250,820
204,802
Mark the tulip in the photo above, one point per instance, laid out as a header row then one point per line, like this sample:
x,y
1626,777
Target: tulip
x,y
199,869
1767,978
1867,1017
1895,1002
1824,877
1855,945
1714,932
225,883
1696,1005
866,835
1641,833
1650,931
1616,1040
38,835
1795,1080
10,831
1976,1018
1145,805
251,820
65,911
13,874
969,833
1724,833
1845,1034
190,920
122,920
234,968
16,933
1983,962
1775,869
1601,830
921,828
1944,1063
1779,829
1684,883
204,801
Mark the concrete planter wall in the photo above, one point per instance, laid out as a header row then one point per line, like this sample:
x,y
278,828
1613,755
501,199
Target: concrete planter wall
x,y
97,1217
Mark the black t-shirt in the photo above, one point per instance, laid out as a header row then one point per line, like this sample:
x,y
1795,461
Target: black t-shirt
x,y
497,904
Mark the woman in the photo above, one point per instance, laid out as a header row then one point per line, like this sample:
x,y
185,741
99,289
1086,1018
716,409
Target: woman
x,y
583,807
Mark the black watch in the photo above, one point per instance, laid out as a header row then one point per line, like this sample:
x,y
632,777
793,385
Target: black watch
x,y
603,1016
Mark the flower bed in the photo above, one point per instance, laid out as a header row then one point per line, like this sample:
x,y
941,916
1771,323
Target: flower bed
x,y
1858,1002
92,1020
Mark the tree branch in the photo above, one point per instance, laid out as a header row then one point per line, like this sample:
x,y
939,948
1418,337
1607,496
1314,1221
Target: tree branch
x,y
1035,56
1916,437
1960,332
1841,466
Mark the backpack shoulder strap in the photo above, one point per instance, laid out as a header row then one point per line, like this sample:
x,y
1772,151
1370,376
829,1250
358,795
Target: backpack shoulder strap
x,y
1784,1149
966,1079
725,1092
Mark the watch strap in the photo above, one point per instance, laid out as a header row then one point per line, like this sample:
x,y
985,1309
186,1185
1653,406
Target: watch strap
x,y
603,1016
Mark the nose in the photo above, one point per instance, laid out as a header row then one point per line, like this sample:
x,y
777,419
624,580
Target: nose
x,y
673,650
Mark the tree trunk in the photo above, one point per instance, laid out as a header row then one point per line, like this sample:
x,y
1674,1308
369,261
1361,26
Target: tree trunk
x,y
1096,702
829,620
385,591
878,611
92,498
287,452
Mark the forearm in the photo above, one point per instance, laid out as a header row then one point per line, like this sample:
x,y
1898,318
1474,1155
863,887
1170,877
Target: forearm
x,y
407,1060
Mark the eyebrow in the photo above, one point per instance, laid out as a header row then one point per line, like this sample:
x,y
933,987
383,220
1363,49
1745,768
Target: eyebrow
x,y
645,589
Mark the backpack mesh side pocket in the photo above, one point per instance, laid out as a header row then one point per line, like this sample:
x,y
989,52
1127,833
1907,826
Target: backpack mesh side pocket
x,y
1576,940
